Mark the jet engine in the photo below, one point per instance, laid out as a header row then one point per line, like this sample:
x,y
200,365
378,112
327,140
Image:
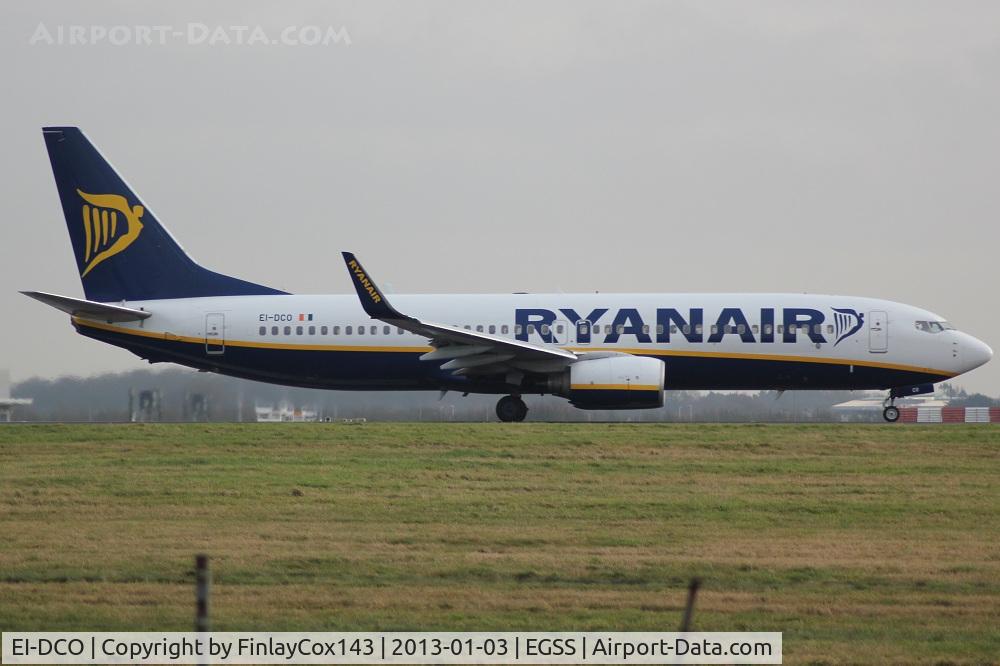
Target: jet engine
x,y
620,381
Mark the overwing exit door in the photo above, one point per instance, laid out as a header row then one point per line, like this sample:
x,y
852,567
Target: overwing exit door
x,y
562,332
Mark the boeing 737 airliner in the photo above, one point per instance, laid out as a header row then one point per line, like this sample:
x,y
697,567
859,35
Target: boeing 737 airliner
x,y
600,351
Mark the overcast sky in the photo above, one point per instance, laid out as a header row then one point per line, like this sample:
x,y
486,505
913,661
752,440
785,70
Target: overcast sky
x,y
849,148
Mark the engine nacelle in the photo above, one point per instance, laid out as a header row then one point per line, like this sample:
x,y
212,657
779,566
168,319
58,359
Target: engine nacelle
x,y
613,382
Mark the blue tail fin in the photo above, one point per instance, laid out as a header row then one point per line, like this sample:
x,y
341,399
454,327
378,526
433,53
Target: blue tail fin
x,y
121,250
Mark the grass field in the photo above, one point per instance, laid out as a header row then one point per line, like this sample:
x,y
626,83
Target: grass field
x,y
860,543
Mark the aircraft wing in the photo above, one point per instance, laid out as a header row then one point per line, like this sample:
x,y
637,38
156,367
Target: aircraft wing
x,y
79,307
465,352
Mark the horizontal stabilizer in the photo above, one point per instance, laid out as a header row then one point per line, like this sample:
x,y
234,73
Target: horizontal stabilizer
x,y
79,307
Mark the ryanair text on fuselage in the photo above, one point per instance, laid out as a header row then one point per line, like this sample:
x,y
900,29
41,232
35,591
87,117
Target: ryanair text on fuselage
x,y
772,325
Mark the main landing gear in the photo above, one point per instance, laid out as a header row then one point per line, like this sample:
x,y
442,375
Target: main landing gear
x,y
511,408
890,412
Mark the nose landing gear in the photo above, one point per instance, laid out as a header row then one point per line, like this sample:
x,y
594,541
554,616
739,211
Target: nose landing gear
x,y
511,408
890,412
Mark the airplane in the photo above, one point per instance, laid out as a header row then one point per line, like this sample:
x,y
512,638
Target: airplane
x,y
600,351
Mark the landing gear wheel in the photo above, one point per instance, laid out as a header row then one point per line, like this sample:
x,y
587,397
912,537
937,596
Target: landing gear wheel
x,y
511,408
891,413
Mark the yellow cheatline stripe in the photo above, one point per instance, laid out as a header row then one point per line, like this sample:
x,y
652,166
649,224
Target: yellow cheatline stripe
x,y
768,357
424,349
245,343
614,387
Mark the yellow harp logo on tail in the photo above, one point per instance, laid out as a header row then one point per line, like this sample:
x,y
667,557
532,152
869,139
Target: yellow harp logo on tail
x,y
101,227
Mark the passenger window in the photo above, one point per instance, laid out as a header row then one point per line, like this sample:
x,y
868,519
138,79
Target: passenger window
x,y
274,330
399,330
263,330
288,330
336,330
714,329
607,329
582,327
468,328
755,328
479,328
503,329
348,330
517,329
619,329
298,330
829,329
781,328
686,330
645,329
699,329
493,329
386,330
545,329
741,329
312,330
728,328
559,328
531,329
659,329
768,329
323,330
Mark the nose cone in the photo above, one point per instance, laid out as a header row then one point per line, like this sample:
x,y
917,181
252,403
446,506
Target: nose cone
x,y
975,352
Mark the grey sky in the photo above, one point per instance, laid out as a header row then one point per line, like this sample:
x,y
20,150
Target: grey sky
x,y
539,146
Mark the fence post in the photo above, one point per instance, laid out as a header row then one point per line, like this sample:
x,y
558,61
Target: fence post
x,y
203,581
689,608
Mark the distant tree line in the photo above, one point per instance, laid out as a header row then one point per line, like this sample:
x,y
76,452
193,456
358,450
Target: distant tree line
x,y
186,395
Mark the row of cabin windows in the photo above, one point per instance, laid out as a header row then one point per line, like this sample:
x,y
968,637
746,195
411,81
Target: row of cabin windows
x,y
326,330
545,329
374,330
584,327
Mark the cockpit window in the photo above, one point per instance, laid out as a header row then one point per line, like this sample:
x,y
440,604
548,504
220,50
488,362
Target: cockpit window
x,y
933,326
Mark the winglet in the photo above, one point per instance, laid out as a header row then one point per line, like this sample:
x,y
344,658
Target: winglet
x,y
372,299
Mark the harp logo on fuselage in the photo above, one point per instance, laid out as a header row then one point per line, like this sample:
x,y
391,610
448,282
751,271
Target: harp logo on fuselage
x,y
848,322
104,234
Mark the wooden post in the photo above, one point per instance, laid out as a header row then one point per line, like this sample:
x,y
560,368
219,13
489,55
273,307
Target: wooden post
x,y
203,581
689,608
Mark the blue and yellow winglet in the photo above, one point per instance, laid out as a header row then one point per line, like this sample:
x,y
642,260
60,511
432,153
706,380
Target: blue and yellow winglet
x,y
372,298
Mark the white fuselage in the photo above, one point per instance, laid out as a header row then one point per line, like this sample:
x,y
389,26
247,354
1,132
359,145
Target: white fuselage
x,y
747,341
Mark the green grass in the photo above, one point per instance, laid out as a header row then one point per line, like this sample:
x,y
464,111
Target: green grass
x,y
860,543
